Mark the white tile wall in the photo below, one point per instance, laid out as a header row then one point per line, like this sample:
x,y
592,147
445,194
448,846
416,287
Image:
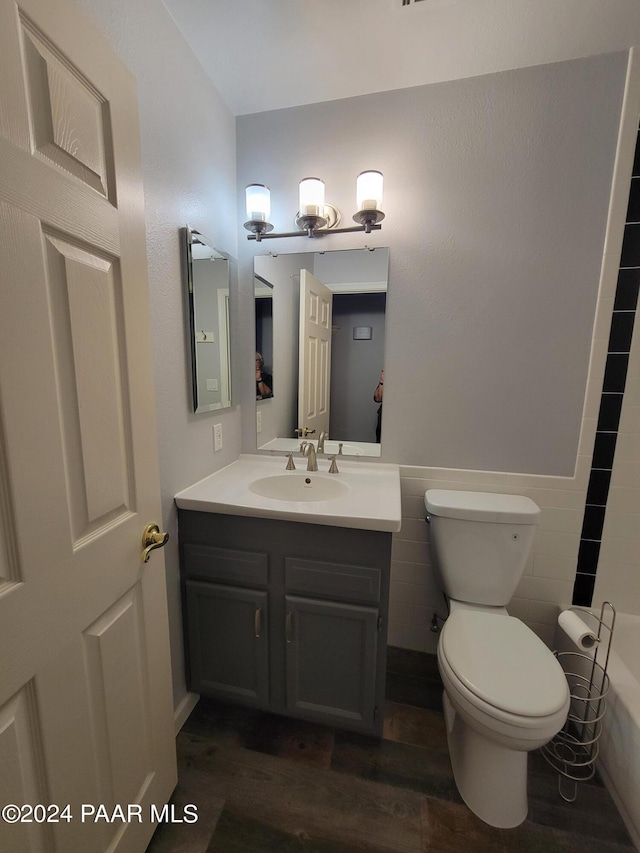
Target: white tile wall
x,y
547,583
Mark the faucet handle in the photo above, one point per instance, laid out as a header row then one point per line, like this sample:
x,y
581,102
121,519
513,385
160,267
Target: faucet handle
x,y
333,468
291,466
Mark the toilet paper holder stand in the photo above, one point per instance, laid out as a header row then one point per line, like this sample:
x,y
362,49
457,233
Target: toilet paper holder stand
x,y
574,750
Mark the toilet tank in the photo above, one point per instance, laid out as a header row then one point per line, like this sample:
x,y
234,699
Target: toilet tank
x,y
480,542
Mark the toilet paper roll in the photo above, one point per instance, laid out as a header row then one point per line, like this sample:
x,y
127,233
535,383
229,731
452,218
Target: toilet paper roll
x,y
577,630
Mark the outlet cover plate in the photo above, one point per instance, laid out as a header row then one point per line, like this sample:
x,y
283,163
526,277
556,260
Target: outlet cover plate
x,y
217,437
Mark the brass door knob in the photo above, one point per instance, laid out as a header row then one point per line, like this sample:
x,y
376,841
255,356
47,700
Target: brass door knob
x,y
152,538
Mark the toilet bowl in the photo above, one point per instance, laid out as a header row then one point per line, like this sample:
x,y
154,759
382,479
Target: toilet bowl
x,y
505,693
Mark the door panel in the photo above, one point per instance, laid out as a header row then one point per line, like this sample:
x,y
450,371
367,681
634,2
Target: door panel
x,y
316,307
119,698
88,337
85,684
68,115
19,736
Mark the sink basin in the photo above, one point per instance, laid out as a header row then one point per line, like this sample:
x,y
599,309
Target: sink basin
x,y
299,487
364,495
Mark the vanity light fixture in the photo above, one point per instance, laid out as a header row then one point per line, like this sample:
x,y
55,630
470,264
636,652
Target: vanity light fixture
x,y
315,216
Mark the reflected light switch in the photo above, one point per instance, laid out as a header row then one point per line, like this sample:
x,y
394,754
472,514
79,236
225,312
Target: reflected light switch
x,y
362,333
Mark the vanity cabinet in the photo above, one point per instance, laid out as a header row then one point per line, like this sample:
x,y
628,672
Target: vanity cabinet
x,y
286,616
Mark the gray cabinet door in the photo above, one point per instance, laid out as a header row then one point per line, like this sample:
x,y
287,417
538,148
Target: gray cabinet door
x,y
228,642
331,653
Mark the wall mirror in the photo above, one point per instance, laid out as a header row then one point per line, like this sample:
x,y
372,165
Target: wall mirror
x,y
208,273
320,329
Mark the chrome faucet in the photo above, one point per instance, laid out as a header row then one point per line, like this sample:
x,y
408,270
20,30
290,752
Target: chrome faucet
x,y
309,450
321,439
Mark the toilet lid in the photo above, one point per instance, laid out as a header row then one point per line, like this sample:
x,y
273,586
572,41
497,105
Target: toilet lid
x,y
504,663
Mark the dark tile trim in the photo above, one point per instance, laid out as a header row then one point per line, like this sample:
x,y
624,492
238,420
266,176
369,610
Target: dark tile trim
x,y
583,590
593,523
631,246
627,290
633,210
615,372
636,159
588,554
604,450
609,414
598,489
621,331
615,377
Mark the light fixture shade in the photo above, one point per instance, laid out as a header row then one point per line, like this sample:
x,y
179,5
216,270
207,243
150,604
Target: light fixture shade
x,y
369,190
311,197
258,203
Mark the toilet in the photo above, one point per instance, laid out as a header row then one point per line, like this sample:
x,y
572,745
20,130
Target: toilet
x,y
505,693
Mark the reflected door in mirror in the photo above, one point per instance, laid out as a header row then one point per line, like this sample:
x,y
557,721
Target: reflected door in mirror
x,y
316,301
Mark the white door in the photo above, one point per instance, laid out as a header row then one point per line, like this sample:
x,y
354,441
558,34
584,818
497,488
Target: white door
x,y
85,685
316,304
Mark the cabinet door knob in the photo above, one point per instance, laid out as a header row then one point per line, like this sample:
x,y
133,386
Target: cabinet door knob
x,y
257,621
288,628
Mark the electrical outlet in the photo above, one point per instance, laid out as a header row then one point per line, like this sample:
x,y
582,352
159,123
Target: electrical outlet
x,y
217,437
212,384
258,421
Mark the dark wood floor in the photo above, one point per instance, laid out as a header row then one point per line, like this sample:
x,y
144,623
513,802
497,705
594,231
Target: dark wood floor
x,y
268,784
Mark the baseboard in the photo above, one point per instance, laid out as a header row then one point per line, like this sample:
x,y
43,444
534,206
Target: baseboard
x,y
629,822
181,713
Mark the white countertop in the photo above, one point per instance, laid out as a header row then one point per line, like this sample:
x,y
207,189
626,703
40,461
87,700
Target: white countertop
x,y
372,501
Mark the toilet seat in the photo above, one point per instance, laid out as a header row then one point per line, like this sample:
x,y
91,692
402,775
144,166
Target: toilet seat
x,y
497,661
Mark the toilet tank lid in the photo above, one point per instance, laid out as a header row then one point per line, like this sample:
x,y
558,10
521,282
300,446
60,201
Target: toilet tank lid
x,y
482,506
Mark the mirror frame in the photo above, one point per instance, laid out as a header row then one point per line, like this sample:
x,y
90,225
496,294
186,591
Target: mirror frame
x,y
189,237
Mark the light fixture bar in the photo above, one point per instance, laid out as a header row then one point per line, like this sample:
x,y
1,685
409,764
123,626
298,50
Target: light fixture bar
x,y
317,233
315,217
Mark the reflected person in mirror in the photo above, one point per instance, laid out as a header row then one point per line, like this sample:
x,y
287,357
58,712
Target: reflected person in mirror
x,y
377,398
264,382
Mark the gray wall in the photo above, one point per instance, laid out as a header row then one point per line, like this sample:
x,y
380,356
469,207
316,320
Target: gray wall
x,y
496,195
356,365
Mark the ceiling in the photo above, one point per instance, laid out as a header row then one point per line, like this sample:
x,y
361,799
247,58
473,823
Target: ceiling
x,y
269,54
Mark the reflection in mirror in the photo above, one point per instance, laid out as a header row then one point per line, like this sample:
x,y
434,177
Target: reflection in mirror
x,y
207,280
264,338
320,323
